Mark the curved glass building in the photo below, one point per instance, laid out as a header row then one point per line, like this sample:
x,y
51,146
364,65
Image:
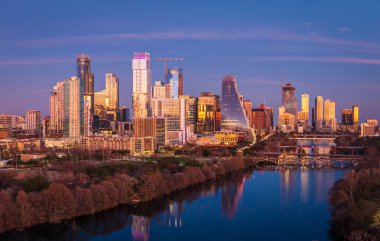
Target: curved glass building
x,y
233,114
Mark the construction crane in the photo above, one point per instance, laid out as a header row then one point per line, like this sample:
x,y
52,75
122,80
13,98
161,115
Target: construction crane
x,y
166,59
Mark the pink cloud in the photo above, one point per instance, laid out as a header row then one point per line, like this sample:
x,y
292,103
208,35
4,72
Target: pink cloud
x,y
210,35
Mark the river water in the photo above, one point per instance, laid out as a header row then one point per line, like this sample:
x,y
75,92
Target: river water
x,y
276,205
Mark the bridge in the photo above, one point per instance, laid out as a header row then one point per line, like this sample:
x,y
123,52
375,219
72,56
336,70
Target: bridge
x,y
307,160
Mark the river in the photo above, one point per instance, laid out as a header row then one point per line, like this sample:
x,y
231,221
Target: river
x,y
256,205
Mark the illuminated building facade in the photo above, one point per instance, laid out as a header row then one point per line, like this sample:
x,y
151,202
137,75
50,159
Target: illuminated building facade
x,y
57,110
318,113
208,116
141,84
174,79
73,108
289,99
112,91
262,118
232,111
87,81
33,121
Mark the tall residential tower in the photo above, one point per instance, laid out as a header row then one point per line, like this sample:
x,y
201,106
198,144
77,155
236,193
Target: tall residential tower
x,y
141,85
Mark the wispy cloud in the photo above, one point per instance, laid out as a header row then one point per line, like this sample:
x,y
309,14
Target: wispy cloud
x,y
344,29
320,59
308,24
207,35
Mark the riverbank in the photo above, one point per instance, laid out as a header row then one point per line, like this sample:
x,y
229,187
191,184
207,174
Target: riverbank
x,y
91,189
355,199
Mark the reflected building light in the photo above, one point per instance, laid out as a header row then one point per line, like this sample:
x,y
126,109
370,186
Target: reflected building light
x,y
304,185
232,192
140,228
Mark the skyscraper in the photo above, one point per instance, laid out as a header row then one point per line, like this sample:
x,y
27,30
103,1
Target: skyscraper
x,y
112,91
87,80
208,109
347,119
305,102
175,80
73,109
141,84
329,115
318,113
289,99
233,113
303,115
33,121
355,115
57,110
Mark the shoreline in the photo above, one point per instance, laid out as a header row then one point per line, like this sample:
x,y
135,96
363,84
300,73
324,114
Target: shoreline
x,y
195,176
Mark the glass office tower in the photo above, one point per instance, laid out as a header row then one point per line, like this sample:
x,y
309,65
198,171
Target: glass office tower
x,y
233,113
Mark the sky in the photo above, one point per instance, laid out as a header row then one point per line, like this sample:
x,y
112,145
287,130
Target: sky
x,y
325,47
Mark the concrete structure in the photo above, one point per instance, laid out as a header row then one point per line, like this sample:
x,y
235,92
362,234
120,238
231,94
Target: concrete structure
x,y
208,116
112,91
86,78
141,85
318,118
73,108
33,121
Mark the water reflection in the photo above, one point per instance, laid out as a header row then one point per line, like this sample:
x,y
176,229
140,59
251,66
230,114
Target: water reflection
x,y
211,210
232,192
140,228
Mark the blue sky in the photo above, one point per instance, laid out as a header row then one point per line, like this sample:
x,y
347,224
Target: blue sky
x,y
326,47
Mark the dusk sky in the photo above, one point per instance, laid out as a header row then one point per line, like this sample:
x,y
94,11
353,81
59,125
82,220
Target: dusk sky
x,y
329,48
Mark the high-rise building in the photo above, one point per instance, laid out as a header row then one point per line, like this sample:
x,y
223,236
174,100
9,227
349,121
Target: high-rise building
x,y
355,115
347,117
73,109
305,103
87,80
8,121
286,121
100,98
174,111
303,115
232,111
318,113
141,85
124,114
289,99
262,118
160,90
33,121
329,115
112,91
208,113
174,79
57,110
191,112
247,104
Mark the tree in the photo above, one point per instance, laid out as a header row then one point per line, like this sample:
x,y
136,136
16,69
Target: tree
x,y
35,184
100,197
38,212
24,210
85,203
351,180
59,203
112,193
8,211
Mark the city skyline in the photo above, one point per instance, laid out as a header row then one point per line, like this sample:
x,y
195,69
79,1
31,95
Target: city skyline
x,y
314,55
